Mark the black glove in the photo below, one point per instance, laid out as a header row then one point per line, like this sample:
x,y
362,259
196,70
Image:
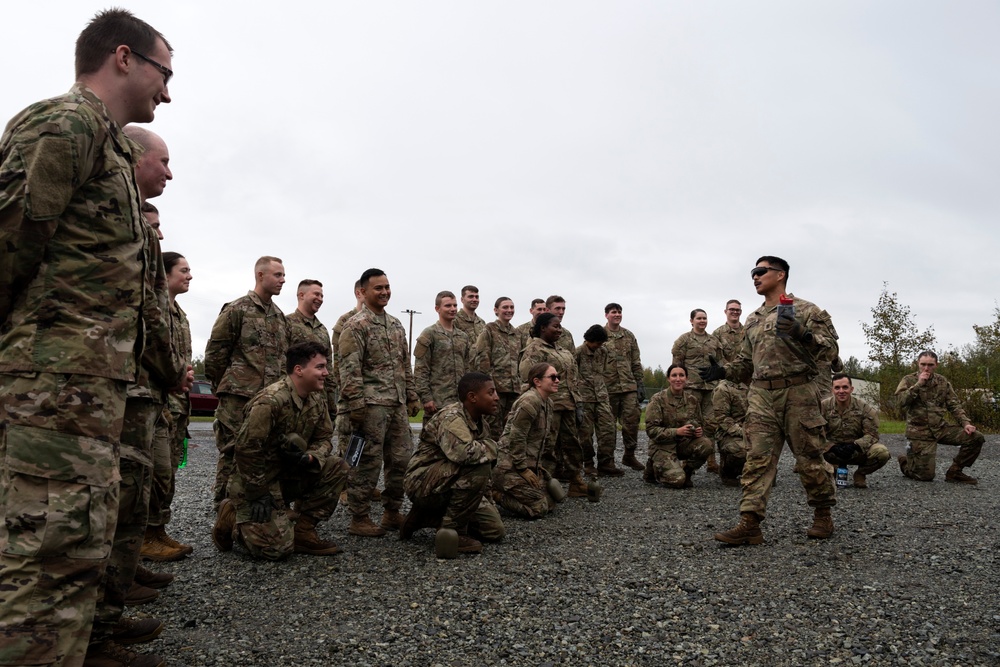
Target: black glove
x,y
579,415
260,508
640,393
713,371
294,459
788,326
843,452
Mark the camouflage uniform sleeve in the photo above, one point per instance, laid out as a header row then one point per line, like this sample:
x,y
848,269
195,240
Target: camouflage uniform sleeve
x,y
636,361
869,427
907,392
458,445
321,443
251,451
352,386
521,422
740,369
529,358
824,344
954,405
219,350
726,424
678,351
482,359
160,357
656,428
422,351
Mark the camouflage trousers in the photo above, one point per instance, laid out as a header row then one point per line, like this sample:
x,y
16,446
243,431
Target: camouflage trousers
x,y
388,443
141,417
168,446
921,462
455,491
568,452
774,416
732,457
625,409
58,500
867,462
486,524
519,497
313,494
671,463
597,418
499,420
707,411
228,420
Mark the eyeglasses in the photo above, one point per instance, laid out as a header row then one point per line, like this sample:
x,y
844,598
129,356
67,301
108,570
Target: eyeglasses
x,y
165,71
758,271
735,310
554,377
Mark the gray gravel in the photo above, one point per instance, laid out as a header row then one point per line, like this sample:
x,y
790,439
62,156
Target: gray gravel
x,y
910,578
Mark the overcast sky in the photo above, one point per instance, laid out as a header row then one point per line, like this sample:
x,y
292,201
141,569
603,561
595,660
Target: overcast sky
x,y
639,152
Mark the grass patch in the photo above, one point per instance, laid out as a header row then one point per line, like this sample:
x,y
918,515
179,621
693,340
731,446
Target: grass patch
x,y
889,426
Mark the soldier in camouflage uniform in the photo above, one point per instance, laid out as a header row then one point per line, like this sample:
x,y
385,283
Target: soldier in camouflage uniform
x,y
537,308
497,353
303,325
526,459
692,350
467,321
926,397
730,334
284,455
675,426
556,305
567,414
376,390
779,354
338,329
244,354
852,430
623,377
448,476
591,362
729,411
73,278
443,355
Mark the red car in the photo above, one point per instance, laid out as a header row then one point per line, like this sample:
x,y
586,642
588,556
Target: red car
x,y
203,399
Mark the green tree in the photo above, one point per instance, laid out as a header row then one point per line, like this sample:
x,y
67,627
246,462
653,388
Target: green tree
x,y
199,366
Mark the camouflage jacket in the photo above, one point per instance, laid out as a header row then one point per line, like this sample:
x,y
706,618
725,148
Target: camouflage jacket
x,y
729,342
442,358
857,424
623,372
302,329
497,352
275,411
565,341
246,351
666,413
526,436
729,408
539,351
74,262
374,362
525,331
764,356
178,403
692,351
471,326
338,329
591,367
926,407
449,441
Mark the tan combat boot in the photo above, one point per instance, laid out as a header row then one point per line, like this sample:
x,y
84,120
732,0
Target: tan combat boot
x,y
630,461
136,630
151,579
392,519
609,469
156,549
822,527
362,526
713,465
747,531
164,537
469,545
111,654
577,487
860,480
225,522
956,476
308,542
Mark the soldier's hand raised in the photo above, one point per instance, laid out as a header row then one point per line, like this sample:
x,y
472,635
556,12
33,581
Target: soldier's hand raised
x,y
712,372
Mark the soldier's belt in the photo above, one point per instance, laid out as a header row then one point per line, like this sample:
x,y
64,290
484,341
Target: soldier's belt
x,y
782,383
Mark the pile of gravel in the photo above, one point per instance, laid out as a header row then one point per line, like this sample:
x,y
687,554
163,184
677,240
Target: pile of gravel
x,y
909,578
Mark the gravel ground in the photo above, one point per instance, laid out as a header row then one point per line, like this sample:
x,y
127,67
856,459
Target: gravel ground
x,y
909,578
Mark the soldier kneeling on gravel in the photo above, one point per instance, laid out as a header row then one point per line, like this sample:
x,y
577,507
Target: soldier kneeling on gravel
x,y
448,477
283,455
852,429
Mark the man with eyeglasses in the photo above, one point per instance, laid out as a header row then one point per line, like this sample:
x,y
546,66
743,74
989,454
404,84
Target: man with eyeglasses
x,y
72,278
778,355
730,334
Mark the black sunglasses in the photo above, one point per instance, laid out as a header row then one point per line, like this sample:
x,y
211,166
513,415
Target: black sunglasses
x,y
758,271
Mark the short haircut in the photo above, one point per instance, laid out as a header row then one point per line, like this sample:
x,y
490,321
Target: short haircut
x,y
535,302
596,334
170,259
139,135
265,262
309,282
442,295
471,383
469,288
149,208
301,354
368,275
612,306
542,322
775,262
555,298
736,301
673,366
357,284
842,376
696,311
927,353
537,372
107,31
496,304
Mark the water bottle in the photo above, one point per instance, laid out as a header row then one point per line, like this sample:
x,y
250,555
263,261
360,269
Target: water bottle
x,y
184,455
841,477
785,309
908,448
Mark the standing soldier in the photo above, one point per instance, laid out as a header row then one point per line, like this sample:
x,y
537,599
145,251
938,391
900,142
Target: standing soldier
x,y
443,354
496,353
852,427
467,320
926,397
303,325
244,355
623,377
376,389
730,334
591,363
73,273
556,305
779,354
537,308
338,329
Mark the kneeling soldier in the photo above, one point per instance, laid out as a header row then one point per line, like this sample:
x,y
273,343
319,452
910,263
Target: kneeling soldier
x,y
852,429
283,455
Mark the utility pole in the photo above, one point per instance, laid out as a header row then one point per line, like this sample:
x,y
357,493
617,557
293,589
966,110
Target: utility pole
x,y
409,339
